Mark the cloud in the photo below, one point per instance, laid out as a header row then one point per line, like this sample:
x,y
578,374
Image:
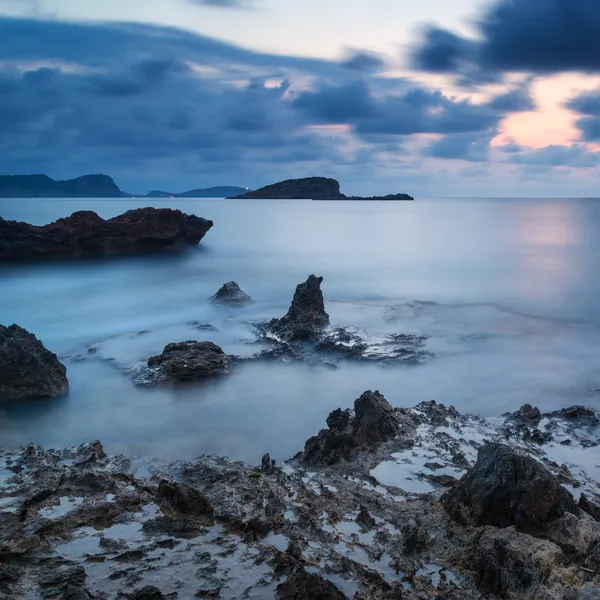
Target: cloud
x,y
360,60
576,155
474,148
531,36
587,104
222,3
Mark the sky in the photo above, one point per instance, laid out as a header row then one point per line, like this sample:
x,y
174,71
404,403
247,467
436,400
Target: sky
x,y
432,98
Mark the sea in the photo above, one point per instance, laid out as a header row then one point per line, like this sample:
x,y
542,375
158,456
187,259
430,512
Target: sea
x,y
506,291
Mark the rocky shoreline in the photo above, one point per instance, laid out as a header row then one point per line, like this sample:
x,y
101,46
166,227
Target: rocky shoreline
x,y
385,503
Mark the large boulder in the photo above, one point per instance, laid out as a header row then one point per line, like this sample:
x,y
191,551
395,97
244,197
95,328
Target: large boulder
x,y
189,361
372,423
507,488
85,234
306,318
27,368
230,293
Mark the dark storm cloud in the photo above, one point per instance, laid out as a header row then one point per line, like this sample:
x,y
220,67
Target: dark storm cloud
x,y
367,62
535,36
474,148
587,104
576,155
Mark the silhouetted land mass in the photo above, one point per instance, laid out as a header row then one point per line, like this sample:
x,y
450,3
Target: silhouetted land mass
x,y
311,188
42,186
223,191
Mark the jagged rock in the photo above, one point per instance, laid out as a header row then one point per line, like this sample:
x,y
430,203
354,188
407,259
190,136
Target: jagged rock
x,y
85,234
364,519
306,317
437,414
581,415
527,415
189,361
507,561
184,499
591,508
574,533
373,423
506,488
148,592
27,368
230,293
267,465
302,585
342,342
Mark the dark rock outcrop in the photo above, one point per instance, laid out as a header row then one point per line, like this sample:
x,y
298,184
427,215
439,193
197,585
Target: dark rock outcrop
x,y
505,488
524,423
27,368
307,188
189,361
42,186
578,415
306,317
84,234
372,424
311,188
184,499
590,507
302,585
230,293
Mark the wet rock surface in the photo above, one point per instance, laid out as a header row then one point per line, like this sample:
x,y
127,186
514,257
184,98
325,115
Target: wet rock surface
x,y
186,361
27,368
231,294
306,317
304,334
506,488
79,523
85,234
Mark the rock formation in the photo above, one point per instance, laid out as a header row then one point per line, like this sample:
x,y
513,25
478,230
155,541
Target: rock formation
x,y
27,368
311,188
187,361
306,317
506,488
85,234
230,293
372,423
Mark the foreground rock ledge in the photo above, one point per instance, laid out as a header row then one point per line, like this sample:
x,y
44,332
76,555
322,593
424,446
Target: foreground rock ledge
x,y
84,234
27,368
79,524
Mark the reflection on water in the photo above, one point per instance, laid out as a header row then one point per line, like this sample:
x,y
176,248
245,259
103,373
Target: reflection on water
x,y
505,290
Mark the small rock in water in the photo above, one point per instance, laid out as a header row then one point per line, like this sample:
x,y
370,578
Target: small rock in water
x,y
306,318
231,294
188,361
364,519
506,488
27,368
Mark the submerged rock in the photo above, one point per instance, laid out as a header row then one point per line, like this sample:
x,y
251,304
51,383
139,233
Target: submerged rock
x,y
306,318
230,293
506,488
187,361
27,368
372,423
85,234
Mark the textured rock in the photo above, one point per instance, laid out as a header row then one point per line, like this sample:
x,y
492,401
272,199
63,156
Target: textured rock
x,y
306,317
590,507
230,293
302,585
373,423
184,499
579,415
507,561
506,488
189,361
27,368
85,234
574,533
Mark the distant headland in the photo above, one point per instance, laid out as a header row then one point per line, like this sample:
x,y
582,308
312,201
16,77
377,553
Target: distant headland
x,y
103,186
93,186
311,188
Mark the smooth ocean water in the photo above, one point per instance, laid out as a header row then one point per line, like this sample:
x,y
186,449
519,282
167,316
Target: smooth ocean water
x,y
507,290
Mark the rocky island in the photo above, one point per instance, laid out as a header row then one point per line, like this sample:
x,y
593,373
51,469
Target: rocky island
x,y
222,191
310,188
84,234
